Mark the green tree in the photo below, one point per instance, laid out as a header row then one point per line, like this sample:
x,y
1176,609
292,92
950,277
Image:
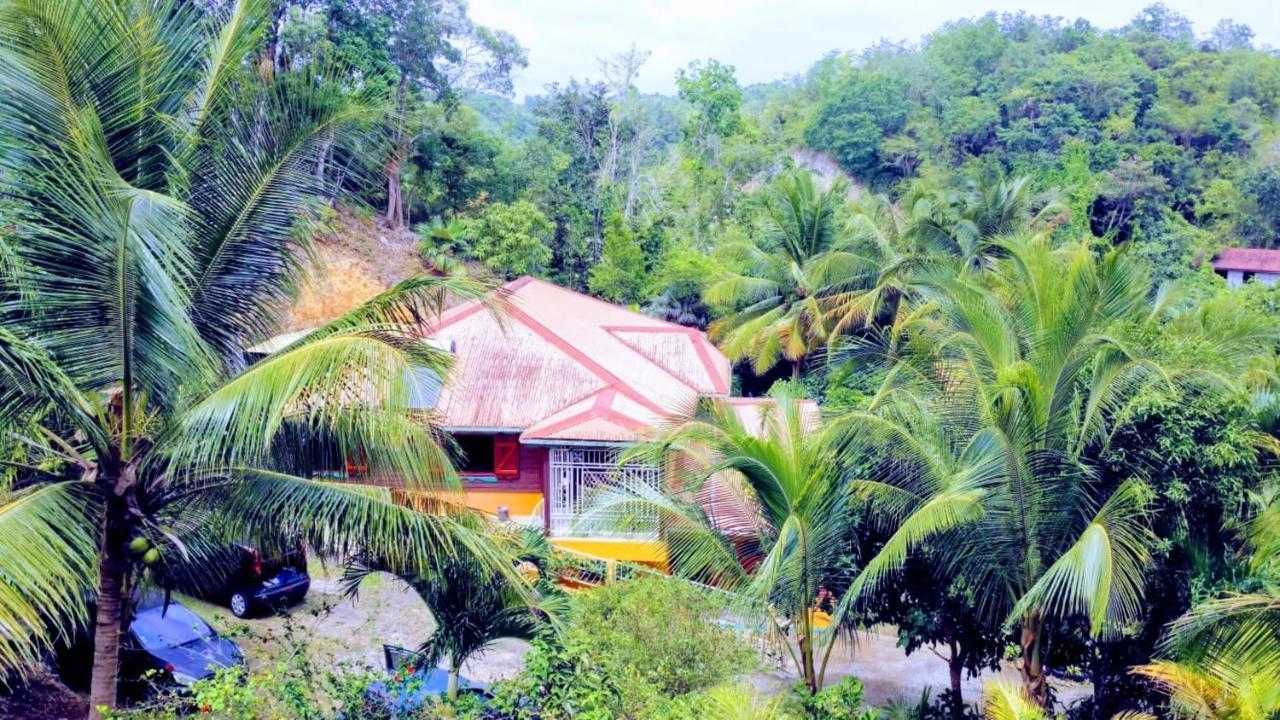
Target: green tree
x,y
982,440
620,274
792,475
421,52
863,109
149,237
773,291
511,239
713,91
1227,649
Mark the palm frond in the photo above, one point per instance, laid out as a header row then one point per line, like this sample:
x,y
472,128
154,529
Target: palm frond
x,y
356,384
49,542
1003,700
1100,576
344,520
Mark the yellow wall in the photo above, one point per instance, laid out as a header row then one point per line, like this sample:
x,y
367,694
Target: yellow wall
x,y
519,503
641,551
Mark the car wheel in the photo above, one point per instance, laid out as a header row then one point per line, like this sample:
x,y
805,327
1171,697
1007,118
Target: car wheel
x,y
239,603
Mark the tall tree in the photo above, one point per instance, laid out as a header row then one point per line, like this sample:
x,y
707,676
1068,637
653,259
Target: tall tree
x,y
785,479
423,51
773,292
153,185
997,398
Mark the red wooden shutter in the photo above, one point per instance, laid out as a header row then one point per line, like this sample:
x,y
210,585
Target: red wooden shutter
x,y
506,457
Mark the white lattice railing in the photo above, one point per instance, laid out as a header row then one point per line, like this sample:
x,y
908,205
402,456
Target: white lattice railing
x,y
578,475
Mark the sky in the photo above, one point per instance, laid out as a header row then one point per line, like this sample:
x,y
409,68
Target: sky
x,y
769,39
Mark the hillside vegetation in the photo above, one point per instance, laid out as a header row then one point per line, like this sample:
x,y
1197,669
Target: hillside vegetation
x,y
1144,134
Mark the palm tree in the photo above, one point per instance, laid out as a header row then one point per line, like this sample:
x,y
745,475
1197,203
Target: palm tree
x,y
151,182
902,245
898,248
787,478
473,607
1229,647
773,294
997,392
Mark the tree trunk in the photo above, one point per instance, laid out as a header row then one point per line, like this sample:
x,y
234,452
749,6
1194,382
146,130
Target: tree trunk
x,y
455,669
1032,667
797,368
955,664
808,669
395,211
109,621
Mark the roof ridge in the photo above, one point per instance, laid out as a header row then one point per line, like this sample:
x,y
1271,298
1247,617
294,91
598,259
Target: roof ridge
x,y
526,279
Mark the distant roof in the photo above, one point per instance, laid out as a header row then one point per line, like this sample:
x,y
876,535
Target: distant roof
x,y
561,365
1248,260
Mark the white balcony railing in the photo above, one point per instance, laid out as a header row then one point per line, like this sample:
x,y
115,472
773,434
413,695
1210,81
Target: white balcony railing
x,y
579,475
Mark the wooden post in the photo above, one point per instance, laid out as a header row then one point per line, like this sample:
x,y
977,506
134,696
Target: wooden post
x,y
610,572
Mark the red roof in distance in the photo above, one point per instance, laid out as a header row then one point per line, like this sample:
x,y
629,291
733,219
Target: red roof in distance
x,y
1248,260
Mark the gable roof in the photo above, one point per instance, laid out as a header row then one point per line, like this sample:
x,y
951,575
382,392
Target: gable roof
x,y
561,365
1248,260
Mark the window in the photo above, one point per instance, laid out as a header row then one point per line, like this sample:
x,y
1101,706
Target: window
x,y
497,455
475,454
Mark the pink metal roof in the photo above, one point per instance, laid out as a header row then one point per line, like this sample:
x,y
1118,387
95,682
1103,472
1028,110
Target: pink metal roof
x,y
1248,260
565,366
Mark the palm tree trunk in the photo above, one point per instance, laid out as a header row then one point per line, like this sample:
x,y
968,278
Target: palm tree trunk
x,y
1033,680
808,669
455,669
113,565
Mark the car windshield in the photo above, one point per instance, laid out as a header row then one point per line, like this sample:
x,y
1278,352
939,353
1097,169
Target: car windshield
x,y
178,626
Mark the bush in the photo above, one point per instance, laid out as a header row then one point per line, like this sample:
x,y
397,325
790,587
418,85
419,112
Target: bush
x,y
632,650
659,635
840,701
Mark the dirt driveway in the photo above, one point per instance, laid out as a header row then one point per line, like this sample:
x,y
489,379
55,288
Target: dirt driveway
x,y
334,630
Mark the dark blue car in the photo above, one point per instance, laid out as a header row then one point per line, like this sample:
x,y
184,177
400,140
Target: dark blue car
x,y
172,645
262,581
166,647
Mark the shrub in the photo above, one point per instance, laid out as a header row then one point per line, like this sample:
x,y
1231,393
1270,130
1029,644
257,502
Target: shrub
x,y
632,650
659,635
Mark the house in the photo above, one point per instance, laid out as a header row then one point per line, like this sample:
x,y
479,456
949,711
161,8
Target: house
x,y
542,399
1240,265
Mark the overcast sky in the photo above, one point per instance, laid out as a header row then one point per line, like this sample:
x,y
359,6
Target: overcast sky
x,y
768,39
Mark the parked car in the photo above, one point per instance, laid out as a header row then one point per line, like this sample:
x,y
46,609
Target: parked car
x,y
167,646
177,644
261,580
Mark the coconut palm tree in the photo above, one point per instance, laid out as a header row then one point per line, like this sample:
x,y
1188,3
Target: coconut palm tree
x,y
151,181
473,607
1228,648
782,474
773,293
902,245
998,391
899,247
